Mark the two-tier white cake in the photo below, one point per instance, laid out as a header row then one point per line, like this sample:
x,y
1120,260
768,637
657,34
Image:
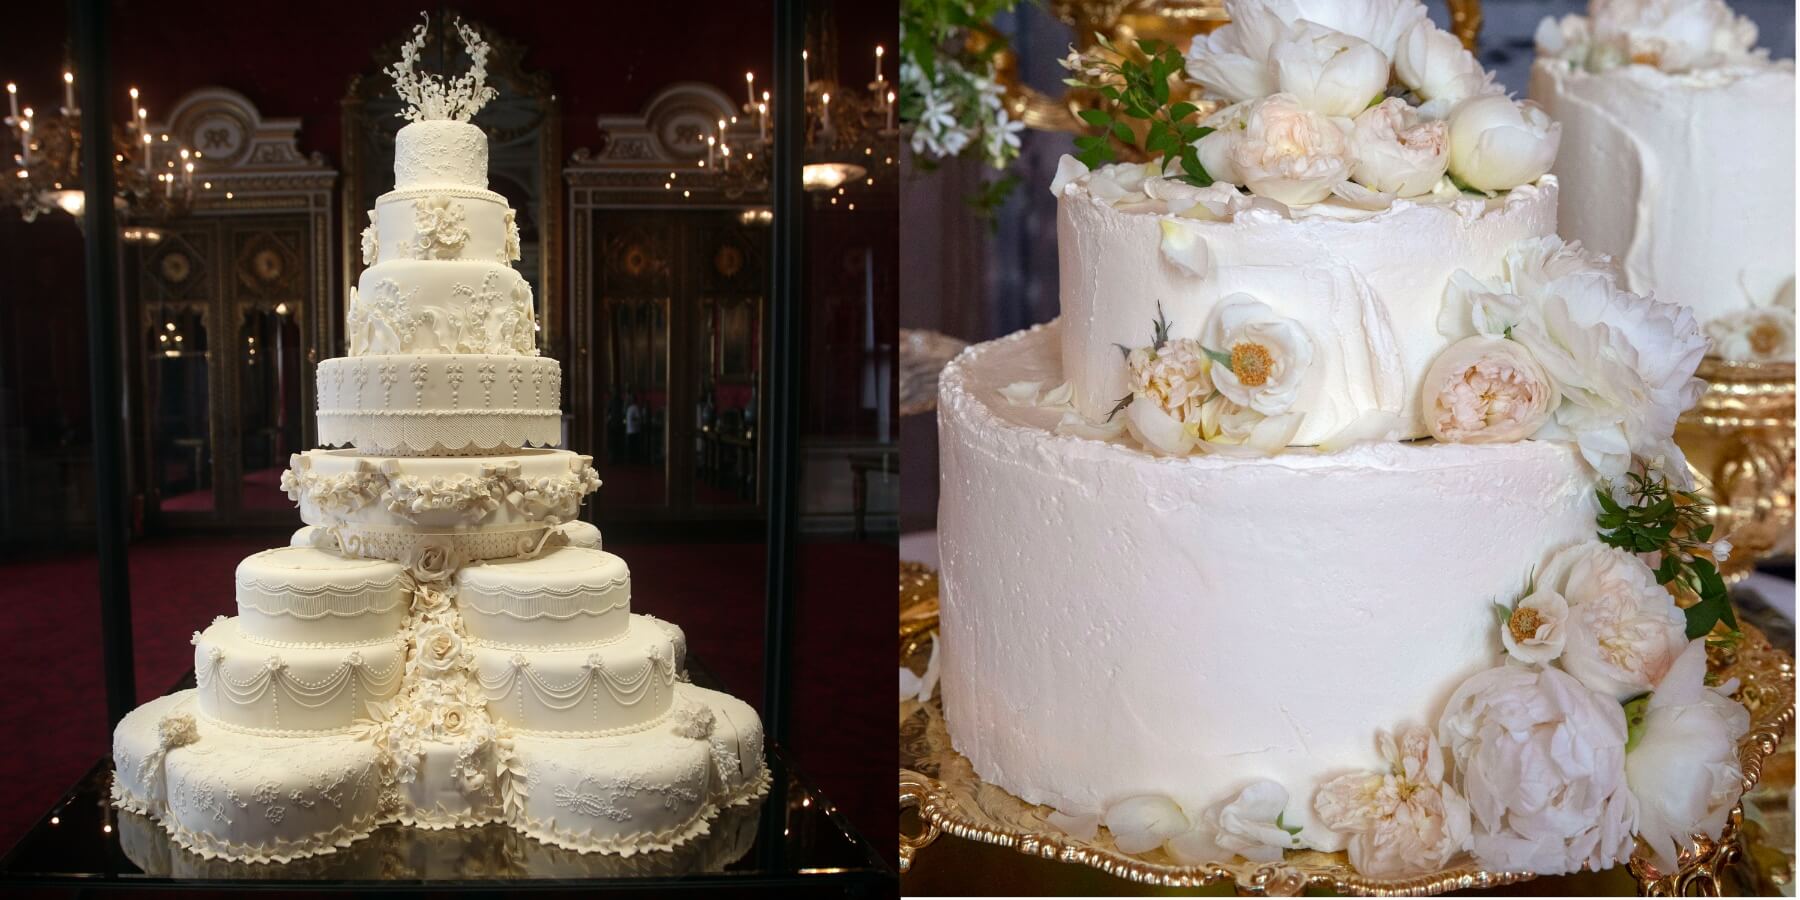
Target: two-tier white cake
x,y
1286,534
444,644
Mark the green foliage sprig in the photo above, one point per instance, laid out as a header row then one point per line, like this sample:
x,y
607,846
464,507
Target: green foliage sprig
x,y
1138,88
1670,522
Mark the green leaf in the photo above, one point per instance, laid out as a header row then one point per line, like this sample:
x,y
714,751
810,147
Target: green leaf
x,y
1121,131
1161,327
1290,829
1119,406
1636,713
1223,359
1181,110
1502,614
1669,569
1095,117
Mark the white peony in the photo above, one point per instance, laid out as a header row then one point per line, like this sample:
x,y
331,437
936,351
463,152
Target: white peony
x,y
1673,35
1404,821
1268,354
1624,630
1624,364
1484,389
1141,824
1248,825
1436,65
1497,143
1541,761
1235,61
1537,630
1168,385
1683,764
1329,72
1754,335
1282,151
1397,152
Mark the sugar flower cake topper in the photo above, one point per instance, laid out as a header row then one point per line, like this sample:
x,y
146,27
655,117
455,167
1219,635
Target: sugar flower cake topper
x,y
436,96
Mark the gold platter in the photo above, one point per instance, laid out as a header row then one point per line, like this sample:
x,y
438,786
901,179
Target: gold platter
x,y
941,794
1739,441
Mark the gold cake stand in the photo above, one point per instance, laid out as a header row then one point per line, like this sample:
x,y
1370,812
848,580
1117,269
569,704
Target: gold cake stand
x,y
1739,441
941,794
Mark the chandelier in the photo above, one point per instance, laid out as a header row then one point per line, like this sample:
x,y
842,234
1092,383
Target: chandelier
x,y
851,139
153,176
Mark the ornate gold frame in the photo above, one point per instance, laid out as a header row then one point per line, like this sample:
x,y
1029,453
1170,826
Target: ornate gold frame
x,y
949,798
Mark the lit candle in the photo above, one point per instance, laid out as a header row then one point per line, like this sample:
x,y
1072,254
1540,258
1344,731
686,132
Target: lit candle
x,y
890,110
187,181
762,120
12,99
68,93
825,111
805,67
147,153
750,86
878,52
25,136
711,144
131,120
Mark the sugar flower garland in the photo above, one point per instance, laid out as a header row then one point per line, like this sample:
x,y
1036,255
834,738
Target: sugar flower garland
x,y
435,97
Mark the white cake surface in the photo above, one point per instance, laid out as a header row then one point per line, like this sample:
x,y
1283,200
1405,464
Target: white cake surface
x,y
567,597
306,595
440,404
442,306
285,689
467,224
1686,178
613,686
1366,287
1116,624
440,153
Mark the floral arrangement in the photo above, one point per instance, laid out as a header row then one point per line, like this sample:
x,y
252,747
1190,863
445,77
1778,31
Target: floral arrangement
x,y
1671,35
1361,102
950,95
434,97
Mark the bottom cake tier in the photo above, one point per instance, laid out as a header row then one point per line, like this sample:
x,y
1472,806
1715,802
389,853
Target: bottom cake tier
x,y
1117,624
230,795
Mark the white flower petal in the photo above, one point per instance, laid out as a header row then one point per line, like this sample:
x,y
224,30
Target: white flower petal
x,y
1184,248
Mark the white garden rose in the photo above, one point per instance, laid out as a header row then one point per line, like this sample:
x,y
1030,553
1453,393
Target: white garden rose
x,y
1538,628
1234,61
1497,144
1624,630
1673,35
1396,151
1483,390
1683,763
1168,384
1436,65
1141,824
1328,71
1283,151
1268,354
1764,334
1246,825
1404,821
1541,761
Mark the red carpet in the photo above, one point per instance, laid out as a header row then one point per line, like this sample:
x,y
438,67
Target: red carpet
x,y
55,711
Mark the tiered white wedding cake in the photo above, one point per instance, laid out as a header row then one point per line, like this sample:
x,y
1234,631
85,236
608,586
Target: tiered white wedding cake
x,y
1287,534
445,644
1678,160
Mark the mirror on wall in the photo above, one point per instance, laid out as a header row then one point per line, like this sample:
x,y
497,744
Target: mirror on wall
x,y
269,403
178,394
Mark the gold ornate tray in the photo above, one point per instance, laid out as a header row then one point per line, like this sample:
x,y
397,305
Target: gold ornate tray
x,y
940,788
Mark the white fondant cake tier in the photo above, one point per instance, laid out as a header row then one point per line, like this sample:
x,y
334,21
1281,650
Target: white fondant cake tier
x,y
440,152
644,791
290,688
443,223
243,796
1687,179
565,597
446,306
440,404
305,595
441,793
581,533
617,685
1366,289
1117,624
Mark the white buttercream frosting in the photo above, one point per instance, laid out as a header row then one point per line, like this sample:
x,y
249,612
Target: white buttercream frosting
x,y
1117,624
1366,286
1686,178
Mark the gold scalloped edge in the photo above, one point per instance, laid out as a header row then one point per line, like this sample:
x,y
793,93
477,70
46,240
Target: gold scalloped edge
x,y
1766,688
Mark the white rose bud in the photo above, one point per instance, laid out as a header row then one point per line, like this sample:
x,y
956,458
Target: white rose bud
x,y
1437,66
1330,72
1283,151
1487,390
1397,152
1497,144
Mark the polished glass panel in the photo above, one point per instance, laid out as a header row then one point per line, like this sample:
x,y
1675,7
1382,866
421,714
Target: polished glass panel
x,y
179,398
269,403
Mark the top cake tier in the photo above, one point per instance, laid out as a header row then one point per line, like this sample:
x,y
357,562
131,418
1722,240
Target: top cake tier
x,y
440,153
1367,288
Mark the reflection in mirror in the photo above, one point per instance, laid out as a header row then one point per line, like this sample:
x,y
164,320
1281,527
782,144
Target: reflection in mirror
x,y
636,400
725,448
269,402
178,395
